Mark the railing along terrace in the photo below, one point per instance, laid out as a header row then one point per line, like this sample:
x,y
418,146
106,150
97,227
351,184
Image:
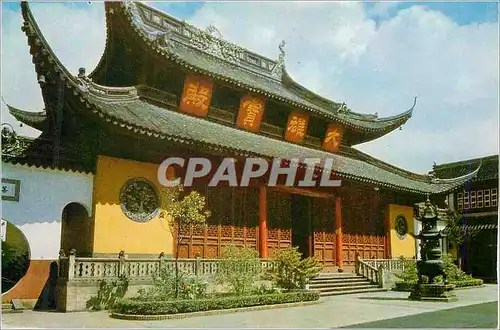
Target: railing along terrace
x,y
77,268
369,272
388,264
374,269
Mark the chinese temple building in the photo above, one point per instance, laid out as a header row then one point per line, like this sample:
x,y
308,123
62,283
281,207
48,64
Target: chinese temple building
x,y
476,201
164,88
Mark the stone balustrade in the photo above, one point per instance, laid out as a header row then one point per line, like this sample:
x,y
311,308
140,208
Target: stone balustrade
x,y
73,268
388,264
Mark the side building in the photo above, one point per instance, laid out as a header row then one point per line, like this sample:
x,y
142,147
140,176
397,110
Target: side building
x,y
476,201
164,88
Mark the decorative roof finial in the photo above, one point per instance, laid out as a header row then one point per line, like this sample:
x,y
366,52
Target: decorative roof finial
x,y
342,107
281,57
81,73
280,63
213,31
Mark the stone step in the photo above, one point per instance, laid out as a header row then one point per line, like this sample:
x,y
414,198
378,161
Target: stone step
x,y
336,276
316,285
9,308
346,288
337,293
337,280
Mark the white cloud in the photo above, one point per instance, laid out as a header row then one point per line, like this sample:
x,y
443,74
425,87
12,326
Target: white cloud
x,y
334,49
75,33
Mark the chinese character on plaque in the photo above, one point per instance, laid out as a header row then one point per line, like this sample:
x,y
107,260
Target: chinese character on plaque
x,y
296,128
196,95
333,137
250,113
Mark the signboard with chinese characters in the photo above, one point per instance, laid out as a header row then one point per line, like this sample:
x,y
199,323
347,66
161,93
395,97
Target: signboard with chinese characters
x,y
196,95
333,137
296,128
10,190
250,113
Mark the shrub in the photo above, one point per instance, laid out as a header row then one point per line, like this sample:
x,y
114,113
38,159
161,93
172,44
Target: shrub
x,y
466,283
293,272
193,287
238,268
163,288
149,307
405,286
409,274
108,294
264,288
453,273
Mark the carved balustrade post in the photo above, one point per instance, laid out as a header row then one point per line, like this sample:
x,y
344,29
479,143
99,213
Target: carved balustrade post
x,y
71,264
121,263
197,265
381,276
160,263
357,263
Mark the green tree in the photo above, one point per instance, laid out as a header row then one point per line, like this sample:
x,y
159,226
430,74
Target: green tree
x,y
14,265
458,234
184,211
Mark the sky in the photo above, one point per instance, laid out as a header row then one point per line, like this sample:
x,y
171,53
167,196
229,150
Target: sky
x,y
374,56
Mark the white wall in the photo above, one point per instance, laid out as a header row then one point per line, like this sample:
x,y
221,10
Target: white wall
x,y
43,195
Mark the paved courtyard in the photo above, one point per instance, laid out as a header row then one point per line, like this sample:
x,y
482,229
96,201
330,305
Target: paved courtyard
x,y
332,312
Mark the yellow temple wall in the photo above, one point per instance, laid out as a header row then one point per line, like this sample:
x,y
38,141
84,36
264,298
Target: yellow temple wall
x,y
406,246
113,230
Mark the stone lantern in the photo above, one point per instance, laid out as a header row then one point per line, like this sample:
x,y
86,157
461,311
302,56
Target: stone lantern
x,y
431,265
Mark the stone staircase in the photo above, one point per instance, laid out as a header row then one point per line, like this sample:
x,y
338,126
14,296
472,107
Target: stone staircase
x,y
331,284
15,306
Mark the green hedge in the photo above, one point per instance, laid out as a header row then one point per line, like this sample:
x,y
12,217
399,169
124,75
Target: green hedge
x,y
408,286
135,307
473,282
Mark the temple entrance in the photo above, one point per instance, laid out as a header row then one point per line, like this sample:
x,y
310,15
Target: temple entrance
x,y
76,231
302,224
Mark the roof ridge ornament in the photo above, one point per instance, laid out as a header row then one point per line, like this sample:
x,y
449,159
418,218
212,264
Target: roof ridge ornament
x,y
279,68
211,41
343,108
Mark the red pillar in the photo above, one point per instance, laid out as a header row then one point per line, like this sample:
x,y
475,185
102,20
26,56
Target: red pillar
x,y
263,221
338,225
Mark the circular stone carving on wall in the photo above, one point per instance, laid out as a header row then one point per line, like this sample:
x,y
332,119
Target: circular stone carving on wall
x,y
401,226
139,200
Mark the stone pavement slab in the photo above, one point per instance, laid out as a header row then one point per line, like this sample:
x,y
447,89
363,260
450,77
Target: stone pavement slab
x,y
473,316
336,311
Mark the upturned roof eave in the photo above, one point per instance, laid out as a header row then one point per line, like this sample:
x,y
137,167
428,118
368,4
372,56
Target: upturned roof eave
x,y
352,120
80,90
36,120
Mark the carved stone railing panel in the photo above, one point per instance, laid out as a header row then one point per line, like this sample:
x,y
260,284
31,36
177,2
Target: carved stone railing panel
x,y
388,264
96,269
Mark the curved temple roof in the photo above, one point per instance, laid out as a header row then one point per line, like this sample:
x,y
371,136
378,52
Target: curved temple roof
x,y
207,53
36,120
126,108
